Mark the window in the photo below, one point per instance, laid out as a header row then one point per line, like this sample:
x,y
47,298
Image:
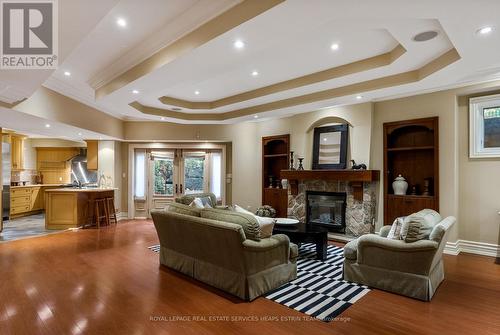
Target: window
x,y
484,115
216,174
140,173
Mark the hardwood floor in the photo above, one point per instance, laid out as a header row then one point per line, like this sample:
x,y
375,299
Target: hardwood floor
x,y
107,282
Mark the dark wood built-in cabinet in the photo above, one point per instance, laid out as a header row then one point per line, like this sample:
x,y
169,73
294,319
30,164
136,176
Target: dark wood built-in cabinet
x,y
411,149
275,157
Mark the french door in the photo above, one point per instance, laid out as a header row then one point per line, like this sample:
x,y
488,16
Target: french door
x,y
173,173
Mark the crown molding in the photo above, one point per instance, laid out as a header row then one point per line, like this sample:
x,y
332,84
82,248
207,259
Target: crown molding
x,y
335,72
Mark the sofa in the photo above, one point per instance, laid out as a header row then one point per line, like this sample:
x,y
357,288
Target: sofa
x,y
202,244
412,269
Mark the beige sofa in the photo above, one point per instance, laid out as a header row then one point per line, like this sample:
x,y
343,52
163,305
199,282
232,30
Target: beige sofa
x,y
219,254
411,269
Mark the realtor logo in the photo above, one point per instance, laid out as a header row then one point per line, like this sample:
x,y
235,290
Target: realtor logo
x,y
28,34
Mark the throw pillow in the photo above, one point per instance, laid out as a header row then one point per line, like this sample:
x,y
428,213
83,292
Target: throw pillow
x,y
183,209
248,222
201,202
266,224
418,226
395,232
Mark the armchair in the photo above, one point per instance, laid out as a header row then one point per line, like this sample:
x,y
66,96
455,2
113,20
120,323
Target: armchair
x,y
411,269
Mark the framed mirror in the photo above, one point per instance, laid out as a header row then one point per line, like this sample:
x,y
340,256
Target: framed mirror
x,y
330,147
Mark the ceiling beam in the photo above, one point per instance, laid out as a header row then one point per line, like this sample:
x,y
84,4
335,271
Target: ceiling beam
x,y
233,17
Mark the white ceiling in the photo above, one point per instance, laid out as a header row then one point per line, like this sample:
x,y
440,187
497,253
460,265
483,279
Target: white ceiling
x,y
289,40
76,19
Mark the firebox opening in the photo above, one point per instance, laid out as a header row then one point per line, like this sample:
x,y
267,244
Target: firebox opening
x,y
326,209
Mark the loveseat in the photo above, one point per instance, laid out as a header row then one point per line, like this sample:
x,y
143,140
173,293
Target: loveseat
x,y
203,244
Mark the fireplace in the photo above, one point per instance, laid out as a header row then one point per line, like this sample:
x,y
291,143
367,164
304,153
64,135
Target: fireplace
x,y
327,209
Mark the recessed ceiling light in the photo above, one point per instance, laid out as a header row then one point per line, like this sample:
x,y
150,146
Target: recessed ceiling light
x,y
334,46
121,22
325,139
197,92
425,36
255,116
485,30
47,125
176,109
239,44
67,73
162,118
359,97
135,91
79,134
255,73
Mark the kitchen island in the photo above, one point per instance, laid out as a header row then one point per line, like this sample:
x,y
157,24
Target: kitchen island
x,y
68,207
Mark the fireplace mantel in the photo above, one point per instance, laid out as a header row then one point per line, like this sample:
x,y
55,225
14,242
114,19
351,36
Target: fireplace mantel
x,y
356,178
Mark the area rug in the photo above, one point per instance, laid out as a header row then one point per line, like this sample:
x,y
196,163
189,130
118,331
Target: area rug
x,y
319,290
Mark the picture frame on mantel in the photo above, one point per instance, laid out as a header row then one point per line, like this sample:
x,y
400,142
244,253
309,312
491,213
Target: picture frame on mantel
x,y
330,147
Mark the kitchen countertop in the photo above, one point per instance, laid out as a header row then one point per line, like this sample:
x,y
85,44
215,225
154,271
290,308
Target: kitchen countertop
x,y
74,189
38,185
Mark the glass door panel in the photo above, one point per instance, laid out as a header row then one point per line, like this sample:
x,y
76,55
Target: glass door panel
x,y
194,174
163,176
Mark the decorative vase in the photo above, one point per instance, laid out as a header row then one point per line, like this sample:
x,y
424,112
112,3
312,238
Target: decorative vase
x,y
284,183
291,161
400,186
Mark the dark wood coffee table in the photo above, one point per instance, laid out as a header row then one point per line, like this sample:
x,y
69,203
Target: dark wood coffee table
x,y
304,233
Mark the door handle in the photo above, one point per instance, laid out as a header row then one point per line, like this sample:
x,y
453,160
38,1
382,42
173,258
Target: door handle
x,y
176,189
181,189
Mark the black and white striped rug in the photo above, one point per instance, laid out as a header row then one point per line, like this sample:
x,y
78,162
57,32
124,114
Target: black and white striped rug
x,y
319,290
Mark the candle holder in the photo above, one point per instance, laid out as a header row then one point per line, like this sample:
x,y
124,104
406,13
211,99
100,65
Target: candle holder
x,y
291,161
301,167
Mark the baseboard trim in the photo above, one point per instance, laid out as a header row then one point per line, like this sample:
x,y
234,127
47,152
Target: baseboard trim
x,y
122,216
472,247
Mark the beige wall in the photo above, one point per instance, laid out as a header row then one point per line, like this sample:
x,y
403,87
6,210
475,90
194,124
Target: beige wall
x,y
441,104
246,143
479,187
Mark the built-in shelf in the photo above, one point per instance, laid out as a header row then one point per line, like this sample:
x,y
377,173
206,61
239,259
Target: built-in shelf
x,y
429,147
417,196
276,156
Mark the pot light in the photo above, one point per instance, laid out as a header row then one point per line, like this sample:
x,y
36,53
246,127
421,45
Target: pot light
x,y
485,30
359,97
47,125
255,116
239,44
79,134
255,73
67,73
121,22
197,92
334,46
162,118
135,91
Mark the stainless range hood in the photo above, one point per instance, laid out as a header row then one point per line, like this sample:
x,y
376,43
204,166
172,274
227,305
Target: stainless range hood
x,y
79,172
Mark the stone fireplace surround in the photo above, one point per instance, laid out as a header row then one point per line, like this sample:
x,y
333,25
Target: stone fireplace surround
x,y
360,214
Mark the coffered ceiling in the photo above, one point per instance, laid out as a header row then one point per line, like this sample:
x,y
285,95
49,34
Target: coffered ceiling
x,y
177,61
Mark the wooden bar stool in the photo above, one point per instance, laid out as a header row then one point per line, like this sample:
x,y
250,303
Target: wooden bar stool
x,y
110,203
89,214
101,212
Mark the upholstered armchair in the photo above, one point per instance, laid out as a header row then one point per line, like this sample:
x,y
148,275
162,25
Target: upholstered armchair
x,y
412,269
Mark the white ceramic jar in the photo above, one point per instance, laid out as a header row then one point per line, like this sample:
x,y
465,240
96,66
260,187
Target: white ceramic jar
x,y
400,186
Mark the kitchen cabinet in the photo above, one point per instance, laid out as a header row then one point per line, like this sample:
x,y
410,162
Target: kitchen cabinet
x,y
16,143
28,200
92,155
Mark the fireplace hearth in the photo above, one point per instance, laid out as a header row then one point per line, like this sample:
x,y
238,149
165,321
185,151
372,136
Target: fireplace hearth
x,y
327,210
